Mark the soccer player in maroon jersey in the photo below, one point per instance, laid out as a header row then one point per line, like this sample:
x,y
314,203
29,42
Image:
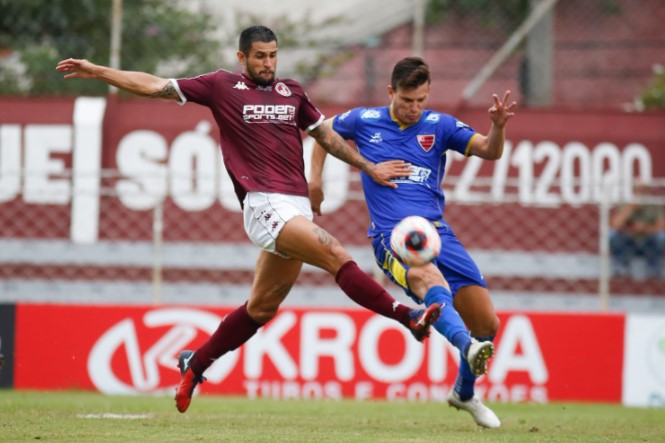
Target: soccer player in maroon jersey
x,y
260,118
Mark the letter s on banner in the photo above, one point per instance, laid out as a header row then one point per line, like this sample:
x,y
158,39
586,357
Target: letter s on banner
x,y
140,158
193,189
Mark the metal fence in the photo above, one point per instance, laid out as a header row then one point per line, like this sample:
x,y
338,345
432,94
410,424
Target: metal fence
x,y
553,256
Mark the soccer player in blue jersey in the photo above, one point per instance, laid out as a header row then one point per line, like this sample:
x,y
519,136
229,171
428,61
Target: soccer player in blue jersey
x,y
406,131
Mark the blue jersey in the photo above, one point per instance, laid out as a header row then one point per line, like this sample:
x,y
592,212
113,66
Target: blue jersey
x,y
424,144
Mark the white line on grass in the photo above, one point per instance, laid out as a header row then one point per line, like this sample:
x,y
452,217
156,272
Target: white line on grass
x,y
114,416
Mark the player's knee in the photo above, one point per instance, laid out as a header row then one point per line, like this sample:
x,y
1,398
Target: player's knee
x,y
488,328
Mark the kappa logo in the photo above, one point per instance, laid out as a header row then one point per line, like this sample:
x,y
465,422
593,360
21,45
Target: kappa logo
x,y
241,86
426,141
282,89
460,124
343,116
433,118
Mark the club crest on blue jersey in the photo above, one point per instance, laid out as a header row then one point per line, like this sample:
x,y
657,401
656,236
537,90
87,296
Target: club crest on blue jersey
x,y
426,141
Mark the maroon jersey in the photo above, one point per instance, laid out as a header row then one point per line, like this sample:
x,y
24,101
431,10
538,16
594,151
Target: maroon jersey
x,y
259,129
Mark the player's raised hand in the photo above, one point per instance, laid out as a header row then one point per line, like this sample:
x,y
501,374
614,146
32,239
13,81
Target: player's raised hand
x,y
76,68
384,172
500,112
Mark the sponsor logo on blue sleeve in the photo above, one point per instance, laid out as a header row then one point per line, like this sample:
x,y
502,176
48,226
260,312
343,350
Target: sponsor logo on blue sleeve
x,y
343,116
370,114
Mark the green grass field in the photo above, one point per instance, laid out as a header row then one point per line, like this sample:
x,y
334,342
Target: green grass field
x,y
91,417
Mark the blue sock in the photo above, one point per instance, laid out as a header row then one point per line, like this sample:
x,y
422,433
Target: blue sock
x,y
466,381
449,324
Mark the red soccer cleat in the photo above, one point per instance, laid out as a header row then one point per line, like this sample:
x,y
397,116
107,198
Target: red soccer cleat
x,y
188,381
422,320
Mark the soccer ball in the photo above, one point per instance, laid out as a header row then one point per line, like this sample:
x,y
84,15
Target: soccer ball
x,y
415,241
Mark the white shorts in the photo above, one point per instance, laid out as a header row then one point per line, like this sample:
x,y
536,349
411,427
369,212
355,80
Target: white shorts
x,y
265,214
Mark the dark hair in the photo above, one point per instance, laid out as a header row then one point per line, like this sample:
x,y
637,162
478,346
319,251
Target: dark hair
x,y
409,73
256,33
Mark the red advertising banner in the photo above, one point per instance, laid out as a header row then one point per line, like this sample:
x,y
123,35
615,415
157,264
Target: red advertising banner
x,y
313,353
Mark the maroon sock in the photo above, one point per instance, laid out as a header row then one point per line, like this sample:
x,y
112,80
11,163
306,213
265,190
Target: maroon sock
x,y
234,330
362,289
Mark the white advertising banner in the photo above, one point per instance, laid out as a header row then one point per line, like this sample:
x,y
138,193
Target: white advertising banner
x,y
644,361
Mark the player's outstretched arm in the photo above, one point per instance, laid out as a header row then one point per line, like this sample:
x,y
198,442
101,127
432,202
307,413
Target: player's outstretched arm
x,y
334,144
490,146
139,83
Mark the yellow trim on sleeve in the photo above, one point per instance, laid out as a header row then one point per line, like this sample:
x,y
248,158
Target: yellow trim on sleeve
x,y
468,146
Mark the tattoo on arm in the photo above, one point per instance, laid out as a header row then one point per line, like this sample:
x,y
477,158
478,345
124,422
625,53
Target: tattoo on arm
x,y
337,146
168,91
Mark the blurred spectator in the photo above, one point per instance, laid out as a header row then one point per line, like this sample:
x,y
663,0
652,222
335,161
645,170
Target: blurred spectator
x,y
638,229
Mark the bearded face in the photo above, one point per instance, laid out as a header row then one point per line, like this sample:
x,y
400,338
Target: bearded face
x,y
261,62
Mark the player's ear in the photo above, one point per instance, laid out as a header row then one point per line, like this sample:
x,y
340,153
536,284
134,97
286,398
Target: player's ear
x,y
241,57
390,92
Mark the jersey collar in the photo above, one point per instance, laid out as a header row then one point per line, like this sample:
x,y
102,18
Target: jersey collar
x,y
402,126
248,79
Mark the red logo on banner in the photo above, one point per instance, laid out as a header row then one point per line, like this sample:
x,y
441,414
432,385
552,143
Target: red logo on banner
x,y
426,141
144,372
